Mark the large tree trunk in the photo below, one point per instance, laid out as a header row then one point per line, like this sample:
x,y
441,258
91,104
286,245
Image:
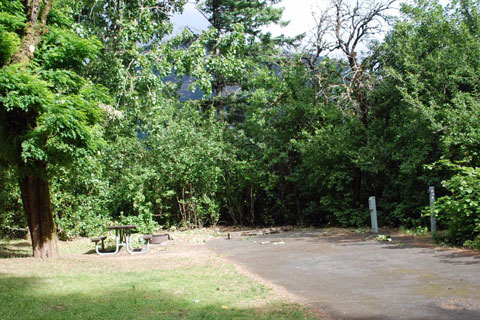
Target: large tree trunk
x,y
34,187
36,202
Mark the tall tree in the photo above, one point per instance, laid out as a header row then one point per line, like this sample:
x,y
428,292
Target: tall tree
x,y
48,112
237,54
134,67
430,66
225,17
348,27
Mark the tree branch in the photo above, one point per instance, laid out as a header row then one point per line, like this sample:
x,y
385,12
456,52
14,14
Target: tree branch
x,y
34,30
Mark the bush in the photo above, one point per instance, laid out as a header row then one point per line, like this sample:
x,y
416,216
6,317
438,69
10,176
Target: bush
x,y
460,211
80,197
12,219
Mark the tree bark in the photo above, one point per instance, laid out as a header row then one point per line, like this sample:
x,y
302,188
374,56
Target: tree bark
x,y
33,183
36,203
34,30
252,207
298,205
357,187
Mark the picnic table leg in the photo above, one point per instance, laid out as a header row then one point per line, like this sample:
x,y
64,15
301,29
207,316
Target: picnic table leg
x,y
131,250
129,244
119,235
103,253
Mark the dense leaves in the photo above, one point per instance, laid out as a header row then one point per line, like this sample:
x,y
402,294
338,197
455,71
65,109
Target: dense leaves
x,y
227,126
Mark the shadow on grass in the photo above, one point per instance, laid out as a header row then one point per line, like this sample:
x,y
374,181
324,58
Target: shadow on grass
x,y
107,250
91,251
15,249
49,298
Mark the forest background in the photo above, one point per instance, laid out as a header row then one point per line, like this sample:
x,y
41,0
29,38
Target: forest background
x,y
107,117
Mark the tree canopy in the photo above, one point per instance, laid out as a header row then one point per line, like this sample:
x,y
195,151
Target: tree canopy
x,y
107,117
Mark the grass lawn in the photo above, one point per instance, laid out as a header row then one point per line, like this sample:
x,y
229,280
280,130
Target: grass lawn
x,y
173,282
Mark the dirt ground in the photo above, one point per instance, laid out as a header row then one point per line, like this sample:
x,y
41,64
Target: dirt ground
x,y
185,249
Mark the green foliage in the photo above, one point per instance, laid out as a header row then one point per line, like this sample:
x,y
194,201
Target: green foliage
x,y
328,163
472,244
63,49
270,139
11,22
9,42
252,15
12,219
459,212
49,113
57,125
426,100
185,151
80,199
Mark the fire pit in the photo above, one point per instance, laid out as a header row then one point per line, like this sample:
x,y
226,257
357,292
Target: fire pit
x,y
159,238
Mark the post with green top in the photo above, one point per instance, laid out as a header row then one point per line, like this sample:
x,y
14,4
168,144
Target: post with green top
x,y
373,214
433,220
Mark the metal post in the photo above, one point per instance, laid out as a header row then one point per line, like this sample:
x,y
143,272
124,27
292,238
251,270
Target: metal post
x,y
433,220
373,213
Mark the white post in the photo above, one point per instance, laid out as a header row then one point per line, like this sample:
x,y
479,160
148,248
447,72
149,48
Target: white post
x,y
433,220
373,213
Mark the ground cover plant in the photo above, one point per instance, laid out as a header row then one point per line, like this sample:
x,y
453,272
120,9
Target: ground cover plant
x,y
167,283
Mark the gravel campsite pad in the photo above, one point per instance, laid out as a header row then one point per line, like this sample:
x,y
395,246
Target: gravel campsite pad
x,y
353,276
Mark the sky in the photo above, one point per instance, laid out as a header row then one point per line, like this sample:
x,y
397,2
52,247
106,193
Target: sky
x,y
298,12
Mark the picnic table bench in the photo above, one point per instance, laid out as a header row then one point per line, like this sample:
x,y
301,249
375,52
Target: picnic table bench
x,y
123,235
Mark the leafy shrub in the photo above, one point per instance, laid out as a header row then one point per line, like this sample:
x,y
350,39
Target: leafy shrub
x,y
460,211
473,244
144,223
12,219
80,222
80,197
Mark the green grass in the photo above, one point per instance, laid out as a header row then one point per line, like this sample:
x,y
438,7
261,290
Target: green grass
x,y
134,287
418,231
14,248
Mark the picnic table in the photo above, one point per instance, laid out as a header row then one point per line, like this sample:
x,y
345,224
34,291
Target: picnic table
x,y
123,235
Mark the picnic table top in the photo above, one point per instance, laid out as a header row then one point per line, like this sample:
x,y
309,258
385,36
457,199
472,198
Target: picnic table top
x,y
125,226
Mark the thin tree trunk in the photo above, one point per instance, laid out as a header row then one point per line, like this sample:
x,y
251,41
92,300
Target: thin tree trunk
x,y
218,83
315,90
299,209
357,187
36,202
252,207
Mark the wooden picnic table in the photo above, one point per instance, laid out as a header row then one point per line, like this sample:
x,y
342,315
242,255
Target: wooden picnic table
x,y
123,235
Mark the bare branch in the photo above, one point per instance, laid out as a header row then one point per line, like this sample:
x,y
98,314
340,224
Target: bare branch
x,y
346,26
